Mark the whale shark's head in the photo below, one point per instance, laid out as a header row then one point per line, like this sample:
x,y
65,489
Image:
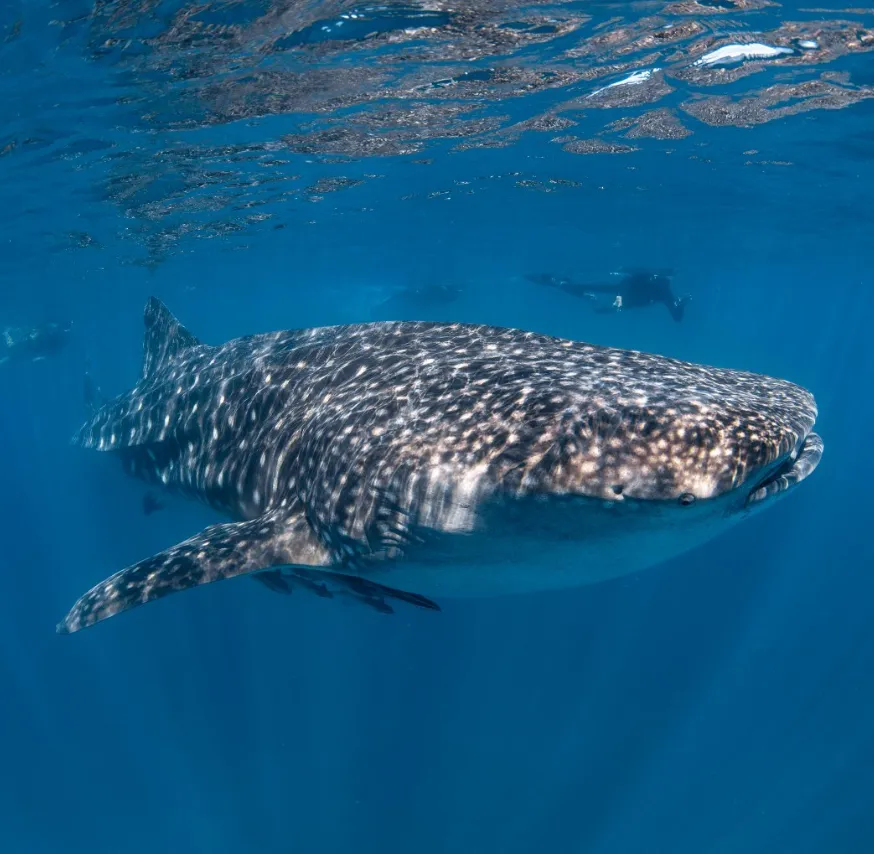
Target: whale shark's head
x,y
647,471
745,445
651,429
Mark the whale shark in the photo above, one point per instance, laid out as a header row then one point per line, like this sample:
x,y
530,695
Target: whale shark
x,y
414,462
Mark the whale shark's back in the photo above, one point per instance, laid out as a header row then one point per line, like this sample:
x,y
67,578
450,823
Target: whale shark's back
x,y
429,373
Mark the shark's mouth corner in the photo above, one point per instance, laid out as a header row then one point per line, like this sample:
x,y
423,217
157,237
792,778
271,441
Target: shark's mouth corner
x,y
791,471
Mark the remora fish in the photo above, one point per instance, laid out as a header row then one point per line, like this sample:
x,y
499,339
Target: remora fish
x,y
404,460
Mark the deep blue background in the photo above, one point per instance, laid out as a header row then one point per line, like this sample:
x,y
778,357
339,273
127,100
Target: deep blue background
x,y
720,703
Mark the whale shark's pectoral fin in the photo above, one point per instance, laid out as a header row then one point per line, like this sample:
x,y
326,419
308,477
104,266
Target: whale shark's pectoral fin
x,y
218,552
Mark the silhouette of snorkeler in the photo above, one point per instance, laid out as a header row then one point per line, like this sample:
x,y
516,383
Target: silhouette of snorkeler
x,y
151,504
33,344
419,302
636,289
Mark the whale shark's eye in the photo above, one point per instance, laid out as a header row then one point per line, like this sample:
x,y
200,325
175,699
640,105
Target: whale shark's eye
x,y
617,488
686,499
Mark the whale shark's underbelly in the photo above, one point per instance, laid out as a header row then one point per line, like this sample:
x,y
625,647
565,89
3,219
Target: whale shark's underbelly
x,y
563,548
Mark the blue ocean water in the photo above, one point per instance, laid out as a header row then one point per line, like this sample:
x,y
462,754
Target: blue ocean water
x,y
267,165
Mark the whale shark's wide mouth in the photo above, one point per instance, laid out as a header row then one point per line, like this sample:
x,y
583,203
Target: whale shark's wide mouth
x,y
794,468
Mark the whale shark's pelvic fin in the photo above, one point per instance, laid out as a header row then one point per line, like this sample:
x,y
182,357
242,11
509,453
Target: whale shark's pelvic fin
x,y
165,337
330,584
218,552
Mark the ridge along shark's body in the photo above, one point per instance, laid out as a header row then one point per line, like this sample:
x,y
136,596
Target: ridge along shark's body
x,y
403,460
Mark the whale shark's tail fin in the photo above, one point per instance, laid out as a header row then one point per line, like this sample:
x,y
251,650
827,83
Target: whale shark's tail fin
x,y
165,337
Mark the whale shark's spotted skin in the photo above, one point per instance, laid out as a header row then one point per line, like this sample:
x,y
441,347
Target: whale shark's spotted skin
x,y
353,454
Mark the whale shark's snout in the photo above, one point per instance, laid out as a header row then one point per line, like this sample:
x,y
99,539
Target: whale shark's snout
x,y
775,443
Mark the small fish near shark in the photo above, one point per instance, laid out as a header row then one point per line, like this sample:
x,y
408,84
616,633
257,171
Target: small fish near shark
x,y
410,461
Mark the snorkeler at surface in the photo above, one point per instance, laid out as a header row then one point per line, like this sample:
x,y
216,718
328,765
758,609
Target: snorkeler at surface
x,y
635,289
33,344
421,302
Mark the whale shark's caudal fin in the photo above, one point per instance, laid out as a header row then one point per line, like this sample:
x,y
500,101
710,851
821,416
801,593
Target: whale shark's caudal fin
x,y
165,337
218,552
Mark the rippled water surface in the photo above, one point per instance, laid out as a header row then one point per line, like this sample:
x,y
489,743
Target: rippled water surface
x,y
225,120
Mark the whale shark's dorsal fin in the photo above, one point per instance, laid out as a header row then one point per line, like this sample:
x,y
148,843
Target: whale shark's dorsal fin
x,y
165,337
